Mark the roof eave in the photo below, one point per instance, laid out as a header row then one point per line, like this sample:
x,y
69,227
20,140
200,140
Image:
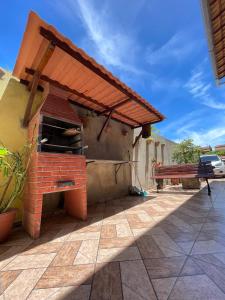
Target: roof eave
x,y
209,34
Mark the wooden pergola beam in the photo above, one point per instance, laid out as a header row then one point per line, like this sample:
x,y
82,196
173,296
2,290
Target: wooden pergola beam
x,y
33,85
137,139
97,112
115,106
104,125
81,95
150,123
49,35
33,89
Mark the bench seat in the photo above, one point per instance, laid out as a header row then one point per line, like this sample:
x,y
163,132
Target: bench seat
x,y
200,170
180,176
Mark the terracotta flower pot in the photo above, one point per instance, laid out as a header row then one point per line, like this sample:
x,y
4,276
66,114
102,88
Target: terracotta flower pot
x,y
175,181
6,222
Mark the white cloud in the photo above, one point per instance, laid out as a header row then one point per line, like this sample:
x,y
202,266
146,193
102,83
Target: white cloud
x,y
199,88
177,48
188,121
194,126
113,47
213,136
163,83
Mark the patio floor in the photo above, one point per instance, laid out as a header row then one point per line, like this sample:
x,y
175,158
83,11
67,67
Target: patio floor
x,y
171,246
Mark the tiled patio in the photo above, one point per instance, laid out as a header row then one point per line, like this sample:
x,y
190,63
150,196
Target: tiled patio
x,y
171,246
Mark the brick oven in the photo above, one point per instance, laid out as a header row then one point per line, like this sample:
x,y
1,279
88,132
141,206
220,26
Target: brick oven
x,y
57,163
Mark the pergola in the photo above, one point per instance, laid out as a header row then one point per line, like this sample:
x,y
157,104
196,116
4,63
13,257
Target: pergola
x,y
46,56
214,15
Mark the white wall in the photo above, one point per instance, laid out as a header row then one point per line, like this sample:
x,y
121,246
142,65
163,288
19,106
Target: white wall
x,y
146,152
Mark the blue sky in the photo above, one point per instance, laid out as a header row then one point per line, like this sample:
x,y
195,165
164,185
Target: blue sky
x,y
158,48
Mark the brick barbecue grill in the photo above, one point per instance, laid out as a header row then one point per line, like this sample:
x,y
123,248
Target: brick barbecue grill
x,y
52,172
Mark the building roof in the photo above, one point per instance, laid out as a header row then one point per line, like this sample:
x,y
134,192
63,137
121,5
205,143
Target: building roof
x,y
62,64
214,16
206,148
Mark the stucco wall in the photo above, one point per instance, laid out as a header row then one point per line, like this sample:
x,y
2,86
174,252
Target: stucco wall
x,y
114,145
146,152
13,100
102,185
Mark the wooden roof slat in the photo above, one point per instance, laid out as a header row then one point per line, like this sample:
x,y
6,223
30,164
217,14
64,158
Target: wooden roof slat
x,y
66,88
75,54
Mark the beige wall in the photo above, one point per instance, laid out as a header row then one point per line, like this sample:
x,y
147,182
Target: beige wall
x,y
113,145
146,152
13,100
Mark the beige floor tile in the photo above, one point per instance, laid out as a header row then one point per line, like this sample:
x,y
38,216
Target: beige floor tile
x,y
148,231
66,293
123,230
117,242
89,228
115,221
196,287
43,294
164,267
144,217
148,248
66,254
183,226
23,285
43,248
212,268
107,282
30,261
66,276
87,252
118,254
186,246
63,234
18,238
204,247
108,231
163,287
10,254
167,245
191,268
135,281
83,236
6,278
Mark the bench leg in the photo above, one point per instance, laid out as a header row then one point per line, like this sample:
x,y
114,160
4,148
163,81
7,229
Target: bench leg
x,y
209,189
157,187
159,183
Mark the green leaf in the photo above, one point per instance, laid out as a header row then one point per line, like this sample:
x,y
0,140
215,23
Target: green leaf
x,y
4,152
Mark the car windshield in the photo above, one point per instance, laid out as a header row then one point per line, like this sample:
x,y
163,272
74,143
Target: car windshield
x,y
209,158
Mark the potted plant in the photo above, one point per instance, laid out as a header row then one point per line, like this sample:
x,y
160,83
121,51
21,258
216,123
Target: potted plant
x,y
184,153
13,170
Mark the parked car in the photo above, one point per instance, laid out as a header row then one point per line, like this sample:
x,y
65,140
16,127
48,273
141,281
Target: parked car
x,y
217,163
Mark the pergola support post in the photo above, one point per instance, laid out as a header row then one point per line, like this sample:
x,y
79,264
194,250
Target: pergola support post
x,y
104,125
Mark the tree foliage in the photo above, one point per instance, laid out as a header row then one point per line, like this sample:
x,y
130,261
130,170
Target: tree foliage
x,y
186,152
220,153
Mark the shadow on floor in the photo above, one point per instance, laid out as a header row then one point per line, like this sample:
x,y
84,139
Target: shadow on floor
x,y
169,246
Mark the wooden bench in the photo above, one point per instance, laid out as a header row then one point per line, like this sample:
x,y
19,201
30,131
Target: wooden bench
x,y
200,170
